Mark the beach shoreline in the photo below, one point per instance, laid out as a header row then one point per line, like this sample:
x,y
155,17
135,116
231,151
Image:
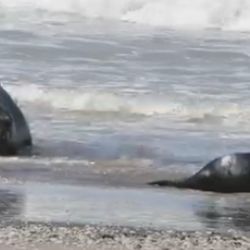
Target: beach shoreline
x,y
58,236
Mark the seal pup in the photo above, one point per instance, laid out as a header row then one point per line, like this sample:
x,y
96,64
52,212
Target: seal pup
x,y
14,131
226,174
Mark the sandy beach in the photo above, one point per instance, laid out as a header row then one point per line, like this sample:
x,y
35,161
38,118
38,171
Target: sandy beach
x,y
57,237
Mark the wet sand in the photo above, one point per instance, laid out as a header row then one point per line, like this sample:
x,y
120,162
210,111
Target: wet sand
x,y
58,207
122,172
22,232
59,237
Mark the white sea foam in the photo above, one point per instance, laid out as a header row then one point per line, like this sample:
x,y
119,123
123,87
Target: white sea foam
x,y
81,100
222,14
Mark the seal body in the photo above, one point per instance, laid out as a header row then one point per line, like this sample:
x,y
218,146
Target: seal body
x,y
14,131
227,174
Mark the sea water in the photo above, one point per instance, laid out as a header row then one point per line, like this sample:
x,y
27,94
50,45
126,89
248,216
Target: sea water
x,y
163,83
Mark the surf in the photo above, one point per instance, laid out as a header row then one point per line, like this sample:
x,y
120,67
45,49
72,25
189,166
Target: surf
x,y
195,14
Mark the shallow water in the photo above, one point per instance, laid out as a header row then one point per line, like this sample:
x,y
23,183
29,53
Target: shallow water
x,y
116,96
158,208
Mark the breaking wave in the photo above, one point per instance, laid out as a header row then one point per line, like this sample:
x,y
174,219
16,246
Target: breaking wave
x,y
221,14
81,100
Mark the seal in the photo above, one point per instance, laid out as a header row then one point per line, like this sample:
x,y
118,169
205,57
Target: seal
x,y
14,131
226,174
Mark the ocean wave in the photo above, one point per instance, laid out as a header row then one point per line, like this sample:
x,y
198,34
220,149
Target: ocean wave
x,y
189,108
221,14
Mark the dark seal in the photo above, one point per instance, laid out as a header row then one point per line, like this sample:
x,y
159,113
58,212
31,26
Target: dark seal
x,y
14,131
227,174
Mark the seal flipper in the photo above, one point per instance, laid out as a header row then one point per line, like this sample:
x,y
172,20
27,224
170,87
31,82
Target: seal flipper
x,y
197,181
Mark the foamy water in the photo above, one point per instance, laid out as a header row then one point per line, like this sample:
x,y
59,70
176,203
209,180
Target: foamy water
x,y
163,81
223,14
